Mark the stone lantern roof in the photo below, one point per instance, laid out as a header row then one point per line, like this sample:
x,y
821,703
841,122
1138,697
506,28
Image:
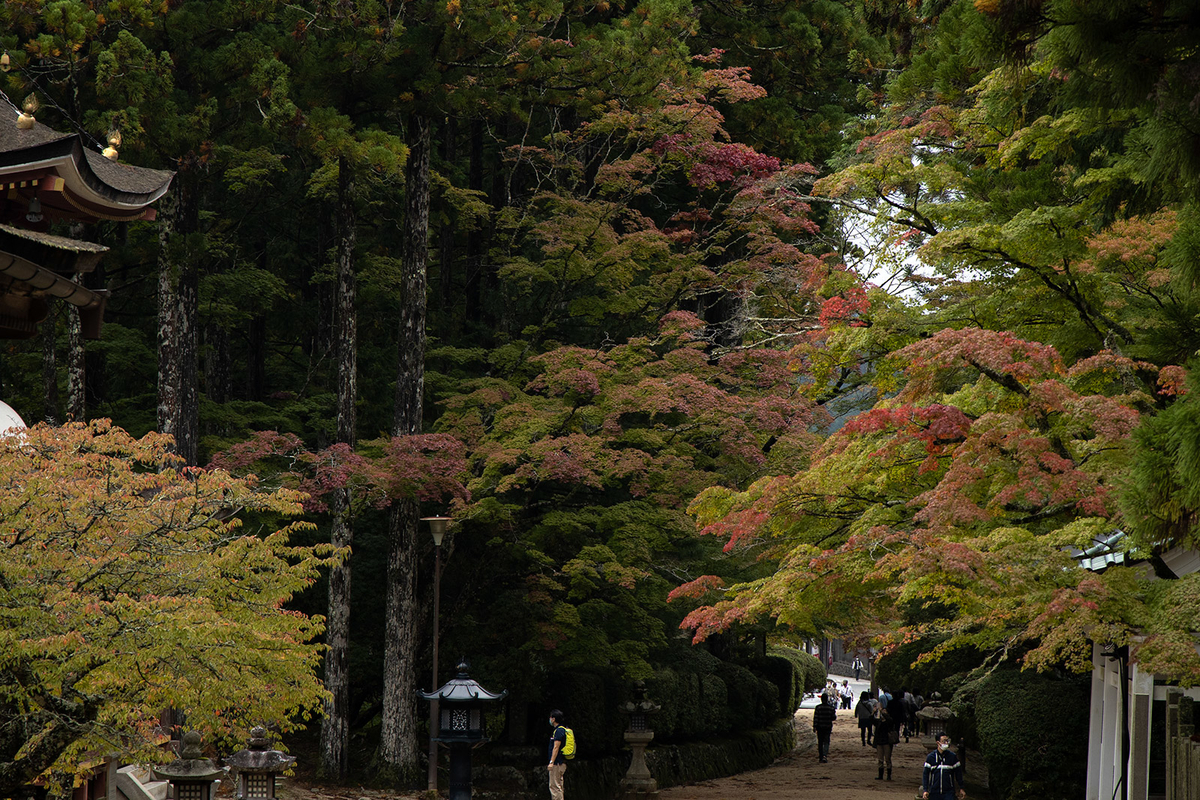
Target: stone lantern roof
x,y
259,757
191,764
462,689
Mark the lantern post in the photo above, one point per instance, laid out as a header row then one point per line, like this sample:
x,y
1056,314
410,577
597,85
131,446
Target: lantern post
x,y
638,783
258,767
461,725
192,776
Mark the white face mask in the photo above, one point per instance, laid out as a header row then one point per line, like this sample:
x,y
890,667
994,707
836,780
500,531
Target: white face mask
x,y
943,746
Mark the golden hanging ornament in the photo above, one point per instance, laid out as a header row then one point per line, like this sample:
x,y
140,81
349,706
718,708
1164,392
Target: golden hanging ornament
x,y
25,121
114,141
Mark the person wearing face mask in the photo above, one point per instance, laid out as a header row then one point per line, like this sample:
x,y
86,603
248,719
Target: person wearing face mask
x,y
942,777
557,767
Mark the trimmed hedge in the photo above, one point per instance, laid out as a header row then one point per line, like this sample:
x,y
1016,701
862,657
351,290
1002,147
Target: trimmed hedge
x,y
507,774
1032,731
810,672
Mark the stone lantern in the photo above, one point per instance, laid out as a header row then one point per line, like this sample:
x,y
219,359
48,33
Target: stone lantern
x,y
934,719
638,782
461,725
258,766
192,776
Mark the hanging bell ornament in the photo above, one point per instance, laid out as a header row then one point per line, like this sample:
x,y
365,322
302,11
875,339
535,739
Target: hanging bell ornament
x,y
114,141
5,62
25,120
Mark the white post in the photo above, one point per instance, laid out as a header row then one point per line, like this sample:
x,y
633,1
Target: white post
x,y
1110,737
1095,725
1140,695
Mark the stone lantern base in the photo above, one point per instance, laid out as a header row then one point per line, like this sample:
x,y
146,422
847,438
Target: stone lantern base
x,y
638,783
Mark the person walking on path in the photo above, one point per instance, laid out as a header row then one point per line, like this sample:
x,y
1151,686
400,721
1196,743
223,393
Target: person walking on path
x,y
942,775
846,694
864,712
823,717
558,762
857,666
887,734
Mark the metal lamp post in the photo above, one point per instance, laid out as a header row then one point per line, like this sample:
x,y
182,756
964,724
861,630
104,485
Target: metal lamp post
x,y
437,527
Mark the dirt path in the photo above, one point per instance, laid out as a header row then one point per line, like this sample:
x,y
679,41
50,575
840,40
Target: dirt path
x,y
849,774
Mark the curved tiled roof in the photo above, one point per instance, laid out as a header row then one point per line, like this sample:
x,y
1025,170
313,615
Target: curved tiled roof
x,y
110,181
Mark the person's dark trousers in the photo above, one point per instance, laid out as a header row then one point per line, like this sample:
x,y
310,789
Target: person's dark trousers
x,y
823,745
856,673
941,795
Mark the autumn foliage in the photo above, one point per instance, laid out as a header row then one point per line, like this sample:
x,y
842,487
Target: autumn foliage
x,y
129,587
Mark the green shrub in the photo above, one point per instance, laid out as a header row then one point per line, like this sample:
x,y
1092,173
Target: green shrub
x,y
753,701
786,675
896,669
809,669
591,701
1033,733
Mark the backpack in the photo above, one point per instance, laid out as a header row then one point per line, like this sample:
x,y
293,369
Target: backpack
x,y
568,748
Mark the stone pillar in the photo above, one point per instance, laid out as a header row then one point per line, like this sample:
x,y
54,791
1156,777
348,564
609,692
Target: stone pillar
x,y
638,783
1110,736
1141,692
1172,741
1095,725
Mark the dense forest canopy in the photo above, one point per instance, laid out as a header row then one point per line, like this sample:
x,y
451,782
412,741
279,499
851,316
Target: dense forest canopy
x,y
841,317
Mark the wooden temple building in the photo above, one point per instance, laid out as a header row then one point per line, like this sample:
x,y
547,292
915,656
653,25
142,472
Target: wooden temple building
x,y
47,177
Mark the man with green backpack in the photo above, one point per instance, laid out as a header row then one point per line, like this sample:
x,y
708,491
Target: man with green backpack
x,y
562,748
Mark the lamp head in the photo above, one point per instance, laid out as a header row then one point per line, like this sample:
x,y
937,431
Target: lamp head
x,y
437,527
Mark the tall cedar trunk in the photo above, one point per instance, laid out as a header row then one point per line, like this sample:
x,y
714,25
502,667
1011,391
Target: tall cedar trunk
x,y
168,313
335,729
446,231
474,276
218,380
178,406
398,745
50,365
256,358
76,365
187,439
76,372
95,361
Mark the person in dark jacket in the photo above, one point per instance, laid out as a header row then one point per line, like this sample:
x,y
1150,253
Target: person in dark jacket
x,y
865,713
823,717
942,777
887,733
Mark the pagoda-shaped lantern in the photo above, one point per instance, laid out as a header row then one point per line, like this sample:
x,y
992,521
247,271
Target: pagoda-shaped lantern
x,y
460,725
258,766
192,776
934,720
638,782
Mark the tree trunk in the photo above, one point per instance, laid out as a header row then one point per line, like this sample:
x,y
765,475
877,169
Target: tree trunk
x,y
218,380
187,438
335,729
76,369
446,231
50,365
178,407
168,313
256,358
398,745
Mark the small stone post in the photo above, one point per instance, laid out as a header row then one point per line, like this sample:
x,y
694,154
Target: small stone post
x,y
192,776
258,767
638,783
